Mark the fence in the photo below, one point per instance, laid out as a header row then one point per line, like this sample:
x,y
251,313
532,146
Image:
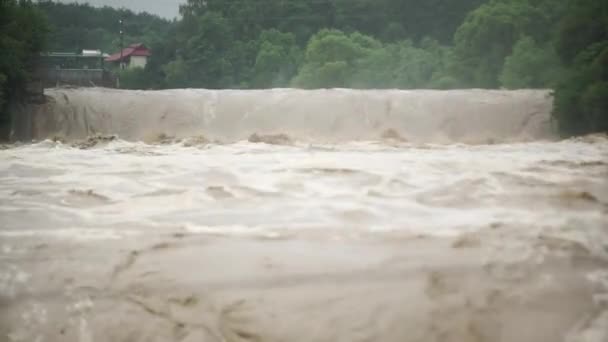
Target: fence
x,y
55,77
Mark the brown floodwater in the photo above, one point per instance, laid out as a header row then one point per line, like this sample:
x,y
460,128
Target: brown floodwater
x,y
225,220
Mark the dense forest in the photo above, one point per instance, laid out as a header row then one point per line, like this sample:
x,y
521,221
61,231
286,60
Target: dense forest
x,y
439,44
23,33
74,27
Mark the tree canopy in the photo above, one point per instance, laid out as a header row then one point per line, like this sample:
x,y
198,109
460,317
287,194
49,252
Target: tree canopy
x,y
581,97
556,44
22,36
77,26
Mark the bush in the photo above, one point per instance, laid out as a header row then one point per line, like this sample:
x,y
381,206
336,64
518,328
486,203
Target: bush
x,y
581,97
531,66
134,78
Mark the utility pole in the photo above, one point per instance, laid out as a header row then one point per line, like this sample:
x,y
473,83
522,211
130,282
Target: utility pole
x,y
121,42
120,65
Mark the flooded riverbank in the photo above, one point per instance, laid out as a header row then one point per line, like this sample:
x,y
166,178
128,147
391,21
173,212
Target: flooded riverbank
x,y
289,215
359,241
316,116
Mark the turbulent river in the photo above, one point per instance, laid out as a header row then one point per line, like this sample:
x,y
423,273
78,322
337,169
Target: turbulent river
x,y
288,215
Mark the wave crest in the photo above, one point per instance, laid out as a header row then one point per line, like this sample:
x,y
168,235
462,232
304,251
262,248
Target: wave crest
x,y
328,115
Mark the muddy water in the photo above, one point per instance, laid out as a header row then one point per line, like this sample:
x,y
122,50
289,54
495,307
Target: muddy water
x,y
290,215
362,241
326,115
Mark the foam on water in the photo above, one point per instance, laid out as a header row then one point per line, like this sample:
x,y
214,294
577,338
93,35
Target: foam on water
x,y
368,186
331,115
290,215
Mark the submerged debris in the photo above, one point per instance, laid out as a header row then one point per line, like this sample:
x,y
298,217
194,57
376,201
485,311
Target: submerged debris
x,y
59,139
595,138
392,134
94,140
88,193
195,141
165,139
273,139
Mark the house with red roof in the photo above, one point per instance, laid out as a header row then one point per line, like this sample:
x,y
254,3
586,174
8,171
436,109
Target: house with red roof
x,y
134,56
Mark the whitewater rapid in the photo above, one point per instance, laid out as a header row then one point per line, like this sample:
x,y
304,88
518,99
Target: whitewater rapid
x,y
326,115
127,241
288,215
363,186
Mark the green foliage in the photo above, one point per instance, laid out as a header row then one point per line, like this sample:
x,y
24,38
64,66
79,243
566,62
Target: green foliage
x,y
76,26
595,106
335,35
303,18
163,51
406,19
335,59
393,32
205,60
3,95
531,66
22,36
584,25
331,57
400,65
581,98
134,78
176,73
220,44
403,44
277,59
487,37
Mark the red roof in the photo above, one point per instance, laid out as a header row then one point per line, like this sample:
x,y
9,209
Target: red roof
x,y
132,50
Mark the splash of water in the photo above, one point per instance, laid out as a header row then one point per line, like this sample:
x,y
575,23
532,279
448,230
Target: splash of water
x,y
277,236
331,115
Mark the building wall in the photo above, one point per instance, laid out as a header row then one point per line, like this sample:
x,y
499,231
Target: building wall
x,y
138,61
